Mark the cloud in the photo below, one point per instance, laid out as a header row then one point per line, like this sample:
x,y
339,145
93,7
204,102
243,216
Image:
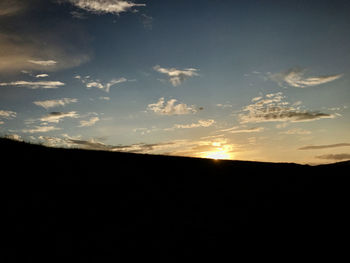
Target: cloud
x,y
90,122
147,21
14,137
171,108
41,76
295,78
105,6
54,103
7,114
11,7
273,108
200,123
318,147
34,84
44,63
296,131
93,144
41,129
27,45
97,84
177,76
56,117
249,130
336,157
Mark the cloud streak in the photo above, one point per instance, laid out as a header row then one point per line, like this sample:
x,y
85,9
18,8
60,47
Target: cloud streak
x,y
295,78
45,63
34,84
177,76
327,146
55,103
335,157
41,129
171,108
56,117
200,123
90,122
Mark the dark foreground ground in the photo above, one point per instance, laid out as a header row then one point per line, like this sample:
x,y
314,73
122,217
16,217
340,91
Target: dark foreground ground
x,y
89,206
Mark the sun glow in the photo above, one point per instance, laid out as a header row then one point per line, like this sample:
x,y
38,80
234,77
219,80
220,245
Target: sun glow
x,y
218,155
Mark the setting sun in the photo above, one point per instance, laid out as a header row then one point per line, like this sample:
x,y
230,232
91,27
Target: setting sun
x,y
218,155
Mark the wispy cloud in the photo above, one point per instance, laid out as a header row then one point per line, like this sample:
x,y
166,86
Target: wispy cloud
x,y
200,123
327,146
274,108
92,121
248,130
335,157
11,7
98,84
41,129
55,103
296,131
56,117
295,78
177,76
147,21
45,63
171,108
34,84
105,6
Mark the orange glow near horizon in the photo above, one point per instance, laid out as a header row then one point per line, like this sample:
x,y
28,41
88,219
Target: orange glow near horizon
x,y
220,154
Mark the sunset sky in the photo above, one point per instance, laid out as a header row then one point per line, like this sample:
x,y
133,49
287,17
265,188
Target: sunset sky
x,y
263,80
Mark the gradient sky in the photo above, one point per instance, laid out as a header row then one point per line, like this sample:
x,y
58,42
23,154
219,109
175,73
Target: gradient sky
x,y
248,80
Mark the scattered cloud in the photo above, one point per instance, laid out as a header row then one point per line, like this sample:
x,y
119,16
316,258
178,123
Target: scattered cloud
x,y
14,137
318,147
54,103
7,114
104,98
56,117
200,123
41,129
171,108
177,76
34,84
41,75
295,78
335,157
274,108
105,6
90,122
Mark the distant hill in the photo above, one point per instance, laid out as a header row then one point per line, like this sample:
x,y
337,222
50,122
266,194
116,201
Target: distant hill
x,y
96,206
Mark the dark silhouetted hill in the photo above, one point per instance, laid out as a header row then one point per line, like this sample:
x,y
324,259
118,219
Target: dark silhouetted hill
x,y
94,206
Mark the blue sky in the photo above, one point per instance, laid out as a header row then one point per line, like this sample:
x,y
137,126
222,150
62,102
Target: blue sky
x,y
253,80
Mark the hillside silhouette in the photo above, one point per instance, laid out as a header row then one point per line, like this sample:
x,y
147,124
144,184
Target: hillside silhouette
x,y
95,206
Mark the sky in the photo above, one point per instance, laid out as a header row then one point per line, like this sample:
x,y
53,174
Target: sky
x,y
242,80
